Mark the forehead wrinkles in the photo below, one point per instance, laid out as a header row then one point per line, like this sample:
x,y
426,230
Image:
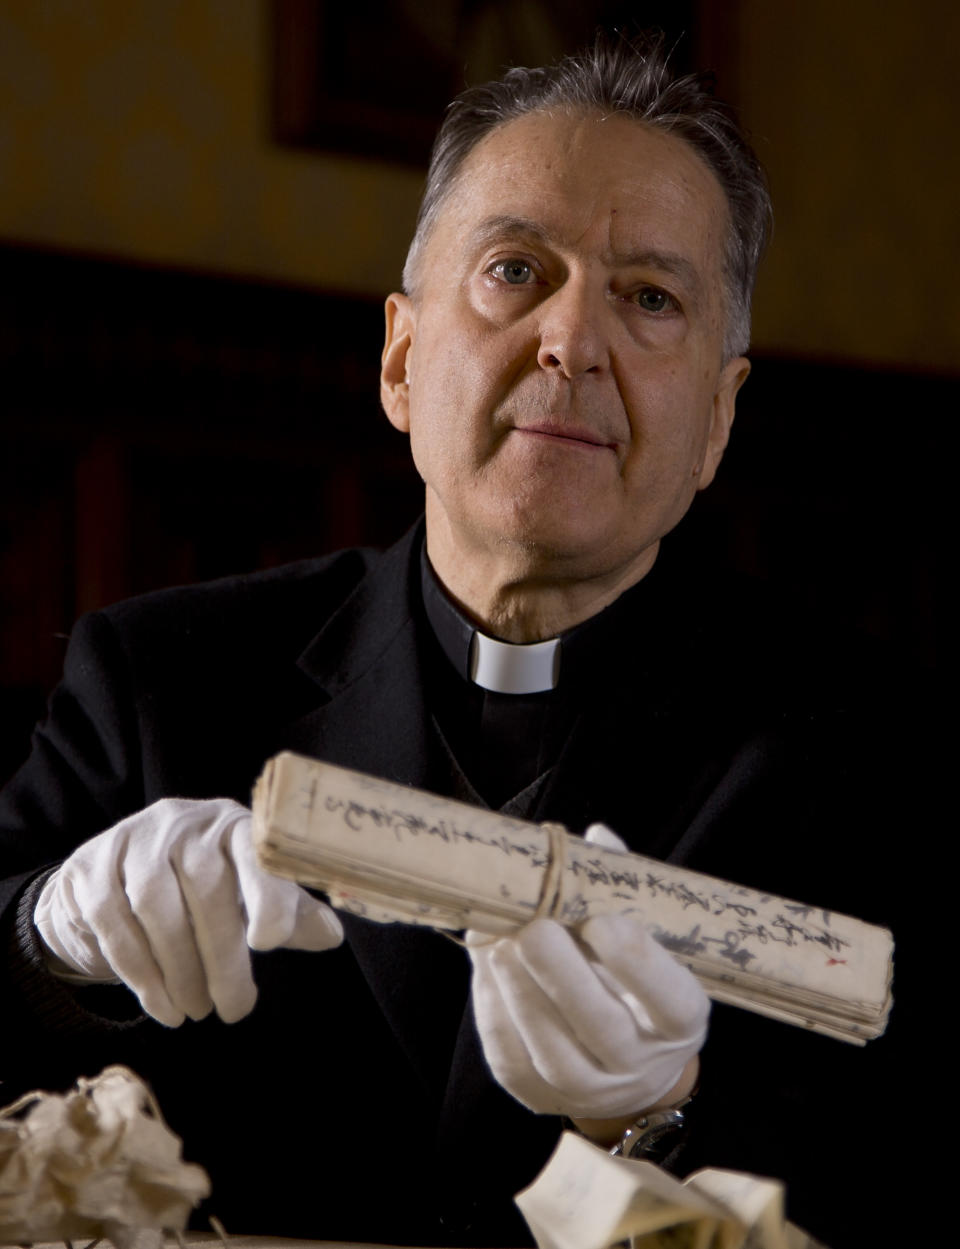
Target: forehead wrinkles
x,y
560,173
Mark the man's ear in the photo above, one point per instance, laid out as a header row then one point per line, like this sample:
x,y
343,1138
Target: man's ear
x,y
732,377
395,361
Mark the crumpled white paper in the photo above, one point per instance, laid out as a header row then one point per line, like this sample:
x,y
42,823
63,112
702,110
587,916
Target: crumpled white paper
x,y
96,1161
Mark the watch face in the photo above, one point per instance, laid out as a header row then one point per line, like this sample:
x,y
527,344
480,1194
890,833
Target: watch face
x,y
652,1136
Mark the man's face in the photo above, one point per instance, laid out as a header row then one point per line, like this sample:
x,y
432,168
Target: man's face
x,y
560,371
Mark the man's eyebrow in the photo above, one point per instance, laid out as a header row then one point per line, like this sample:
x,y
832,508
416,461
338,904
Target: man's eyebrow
x,y
667,262
503,225
493,228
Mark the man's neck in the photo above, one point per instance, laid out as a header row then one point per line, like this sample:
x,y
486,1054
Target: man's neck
x,y
520,595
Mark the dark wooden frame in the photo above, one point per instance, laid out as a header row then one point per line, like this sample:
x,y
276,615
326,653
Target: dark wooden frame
x,y
368,80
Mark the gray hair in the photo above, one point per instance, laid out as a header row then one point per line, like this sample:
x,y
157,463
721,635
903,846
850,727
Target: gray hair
x,y
630,77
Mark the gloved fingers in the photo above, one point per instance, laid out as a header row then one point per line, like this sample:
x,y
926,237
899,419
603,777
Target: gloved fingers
x,y
664,997
279,913
572,1006
132,955
211,893
160,900
269,902
534,1050
504,1048
148,849
317,926
152,903
533,1054
89,908
554,1055
606,838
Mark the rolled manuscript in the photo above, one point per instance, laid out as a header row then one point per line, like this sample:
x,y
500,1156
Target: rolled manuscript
x,y
395,854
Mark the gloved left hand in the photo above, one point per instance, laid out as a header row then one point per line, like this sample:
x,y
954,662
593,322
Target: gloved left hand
x,y
171,900
594,1024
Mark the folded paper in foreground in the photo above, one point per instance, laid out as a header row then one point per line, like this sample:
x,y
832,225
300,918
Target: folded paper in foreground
x,y
392,853
584,1199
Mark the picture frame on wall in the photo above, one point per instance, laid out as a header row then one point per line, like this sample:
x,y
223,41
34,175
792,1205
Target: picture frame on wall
x,y
374,77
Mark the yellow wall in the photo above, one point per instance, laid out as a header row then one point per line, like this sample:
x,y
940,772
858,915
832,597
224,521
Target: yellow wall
x,y
853,105
140,128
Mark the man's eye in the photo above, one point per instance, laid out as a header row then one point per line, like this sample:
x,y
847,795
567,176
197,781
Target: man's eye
x,y
516,272
651,299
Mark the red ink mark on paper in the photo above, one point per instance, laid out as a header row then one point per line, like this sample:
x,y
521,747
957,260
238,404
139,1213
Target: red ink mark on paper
x,y
832,962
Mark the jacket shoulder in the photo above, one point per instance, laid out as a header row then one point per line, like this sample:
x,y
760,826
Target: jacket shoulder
x,y
290,601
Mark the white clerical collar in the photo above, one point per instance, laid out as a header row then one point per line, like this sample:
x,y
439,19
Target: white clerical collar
x,y
512,668
501,667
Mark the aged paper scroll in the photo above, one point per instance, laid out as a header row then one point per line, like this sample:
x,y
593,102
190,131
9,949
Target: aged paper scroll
x,y
391,853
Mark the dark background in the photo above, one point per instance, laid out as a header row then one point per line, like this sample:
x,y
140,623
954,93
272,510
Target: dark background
x,y
163,424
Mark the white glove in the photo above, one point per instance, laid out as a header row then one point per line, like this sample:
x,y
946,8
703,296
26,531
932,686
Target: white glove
x,y
168,901
593,1025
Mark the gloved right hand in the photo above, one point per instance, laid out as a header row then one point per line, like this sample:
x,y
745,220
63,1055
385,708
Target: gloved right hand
x,y
599,1022
171,901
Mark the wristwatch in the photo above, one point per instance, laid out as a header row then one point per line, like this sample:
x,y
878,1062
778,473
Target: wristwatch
x,y
655,1135
652,1136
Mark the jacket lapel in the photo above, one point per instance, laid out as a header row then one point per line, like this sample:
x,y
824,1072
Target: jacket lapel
x,y
364,664
371,716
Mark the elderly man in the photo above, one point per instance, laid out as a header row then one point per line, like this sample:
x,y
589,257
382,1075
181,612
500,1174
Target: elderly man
x,y
566,360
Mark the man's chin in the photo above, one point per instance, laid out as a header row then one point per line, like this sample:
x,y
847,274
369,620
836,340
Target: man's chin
x,y
539,539
570,552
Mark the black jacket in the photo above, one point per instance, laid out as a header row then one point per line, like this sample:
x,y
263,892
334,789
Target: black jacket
x,y
707,734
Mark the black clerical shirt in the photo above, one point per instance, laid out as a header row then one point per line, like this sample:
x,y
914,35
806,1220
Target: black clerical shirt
x,y
505,745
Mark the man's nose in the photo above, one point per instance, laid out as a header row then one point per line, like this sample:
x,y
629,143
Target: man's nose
x,y
574,330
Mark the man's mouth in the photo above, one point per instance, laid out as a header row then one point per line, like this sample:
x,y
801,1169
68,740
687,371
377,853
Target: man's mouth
x,y
576,434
